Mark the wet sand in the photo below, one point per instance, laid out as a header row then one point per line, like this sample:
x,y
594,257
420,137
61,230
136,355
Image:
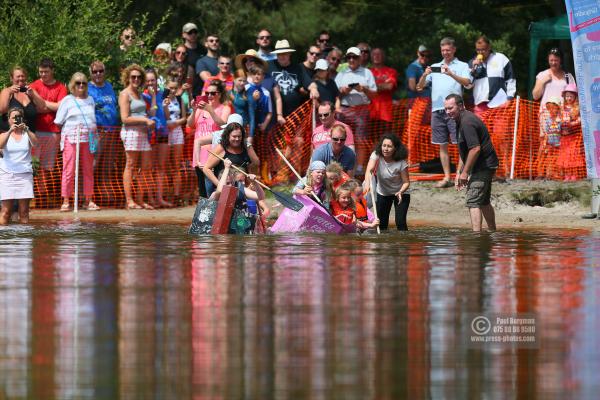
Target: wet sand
x,y
429,207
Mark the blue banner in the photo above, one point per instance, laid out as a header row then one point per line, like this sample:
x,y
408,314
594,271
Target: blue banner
x,y
584,24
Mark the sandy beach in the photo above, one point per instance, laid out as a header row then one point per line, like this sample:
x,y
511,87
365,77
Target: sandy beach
x,y
429,206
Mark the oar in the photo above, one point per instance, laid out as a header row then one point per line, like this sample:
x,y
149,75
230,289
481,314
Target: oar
x,y
373,183
285,200
297,174
312,193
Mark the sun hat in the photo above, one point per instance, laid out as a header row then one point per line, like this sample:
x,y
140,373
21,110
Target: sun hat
x,y
317,165
240,59
233,119
571,87
163,46
321,65
282,46
190,26
353,50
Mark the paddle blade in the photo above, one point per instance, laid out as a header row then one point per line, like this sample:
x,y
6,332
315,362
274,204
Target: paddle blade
x,y
287,201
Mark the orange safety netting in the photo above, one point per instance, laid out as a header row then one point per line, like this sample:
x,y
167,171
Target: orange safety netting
x,y
532,159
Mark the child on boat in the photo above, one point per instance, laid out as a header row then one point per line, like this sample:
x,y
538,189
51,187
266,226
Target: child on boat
x,y
316,182
237,179
336,175
343,209
360,201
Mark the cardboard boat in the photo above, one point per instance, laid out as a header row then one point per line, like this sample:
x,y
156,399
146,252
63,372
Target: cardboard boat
x,y
311,218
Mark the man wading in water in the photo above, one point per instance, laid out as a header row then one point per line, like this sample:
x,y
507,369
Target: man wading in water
x,y
478,162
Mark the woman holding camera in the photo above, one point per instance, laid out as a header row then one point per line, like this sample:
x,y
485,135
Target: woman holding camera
x,y
16,172
18,95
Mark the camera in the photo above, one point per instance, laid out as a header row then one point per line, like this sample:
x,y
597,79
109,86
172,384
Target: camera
x,y
166,93
353,85
18,120
23,89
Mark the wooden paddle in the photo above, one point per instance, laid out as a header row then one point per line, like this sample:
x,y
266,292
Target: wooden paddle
x,y
285,200
312,193
373,187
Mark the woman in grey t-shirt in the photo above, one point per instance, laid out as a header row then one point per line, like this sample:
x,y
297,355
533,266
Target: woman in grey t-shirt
x,y
389,164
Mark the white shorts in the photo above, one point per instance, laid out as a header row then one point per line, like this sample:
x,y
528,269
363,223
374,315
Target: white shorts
x,y
135,138
176,136
16,186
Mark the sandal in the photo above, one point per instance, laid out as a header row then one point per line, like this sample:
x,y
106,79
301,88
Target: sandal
x,y
92,206
147,206
443,184
65,207
133,206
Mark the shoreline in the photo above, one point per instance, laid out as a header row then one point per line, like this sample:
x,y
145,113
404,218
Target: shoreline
x,y
429,207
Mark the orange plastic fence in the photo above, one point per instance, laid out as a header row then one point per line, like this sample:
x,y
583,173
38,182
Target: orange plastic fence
x,y
532,159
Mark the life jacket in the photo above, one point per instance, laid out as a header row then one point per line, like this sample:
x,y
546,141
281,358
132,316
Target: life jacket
x,y
361,208
344,215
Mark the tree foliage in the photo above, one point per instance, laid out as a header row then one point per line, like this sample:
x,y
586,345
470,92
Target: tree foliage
x,y
75,33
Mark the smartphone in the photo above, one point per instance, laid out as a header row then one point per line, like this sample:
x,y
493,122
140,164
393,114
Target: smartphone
x,y
201,98
436,69
18,120
353,85
189,80
23,89
166,93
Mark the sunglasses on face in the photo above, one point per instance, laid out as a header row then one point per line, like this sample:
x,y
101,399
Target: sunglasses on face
x,y
193,32
365,51
135,77
128,37
324,115
213,40
334,58
424,55
224,63
181,53
264,37
352,57
98,71
323,40
338,139
80,83
314,54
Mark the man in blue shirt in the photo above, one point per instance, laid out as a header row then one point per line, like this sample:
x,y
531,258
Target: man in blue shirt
x,y
445,77
414,72
336,150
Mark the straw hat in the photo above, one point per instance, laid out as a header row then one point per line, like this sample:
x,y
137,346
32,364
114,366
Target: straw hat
x,y
282,46
240,59
554,99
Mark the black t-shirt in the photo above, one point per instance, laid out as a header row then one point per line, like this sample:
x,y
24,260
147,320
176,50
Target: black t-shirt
x,y
473,132
308,73
193,55
290,79
328,91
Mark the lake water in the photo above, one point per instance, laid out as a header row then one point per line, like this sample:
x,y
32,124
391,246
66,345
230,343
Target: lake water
x,y
117,311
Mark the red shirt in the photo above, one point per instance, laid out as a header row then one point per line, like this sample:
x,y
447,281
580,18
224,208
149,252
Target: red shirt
x,y
344,215
227,81
44,122
381,105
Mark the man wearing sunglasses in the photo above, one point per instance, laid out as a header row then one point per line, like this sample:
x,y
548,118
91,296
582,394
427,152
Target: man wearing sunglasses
x,y
326,119
263,40
414,71
324,43
336,150
357,87
308,66
208,65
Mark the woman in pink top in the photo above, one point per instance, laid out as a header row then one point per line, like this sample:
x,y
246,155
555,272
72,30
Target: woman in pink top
x,y
551,82
209,113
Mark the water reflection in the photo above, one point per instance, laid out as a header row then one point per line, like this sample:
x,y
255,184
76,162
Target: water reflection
x,y
108,312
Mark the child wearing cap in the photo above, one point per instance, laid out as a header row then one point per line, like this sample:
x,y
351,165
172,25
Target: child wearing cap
x,y
570,158
315,182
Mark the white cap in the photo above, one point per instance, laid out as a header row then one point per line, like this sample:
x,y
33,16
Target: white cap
x,y
353,50
164,46
234,119
321,65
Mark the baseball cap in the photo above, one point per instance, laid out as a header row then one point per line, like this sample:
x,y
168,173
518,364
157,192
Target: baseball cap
x,y
353,50
321,65
234,119
190,26
423,48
